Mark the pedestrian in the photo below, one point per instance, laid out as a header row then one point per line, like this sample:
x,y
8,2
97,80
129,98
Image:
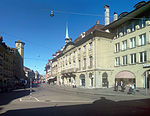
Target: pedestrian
x,y
122,86
116,86
132,88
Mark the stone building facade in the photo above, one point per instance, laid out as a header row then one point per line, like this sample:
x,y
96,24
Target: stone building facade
x,y
11,66
118,51
132,45
84,62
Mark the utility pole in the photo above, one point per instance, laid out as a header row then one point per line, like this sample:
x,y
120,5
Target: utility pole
x,y
146,76
30,85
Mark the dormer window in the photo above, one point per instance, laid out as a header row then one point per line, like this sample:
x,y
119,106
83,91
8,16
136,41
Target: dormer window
x,y
142,22
133,24
124,30
117,33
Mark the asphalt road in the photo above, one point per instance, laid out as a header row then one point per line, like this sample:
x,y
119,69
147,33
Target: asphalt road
x,y
48,100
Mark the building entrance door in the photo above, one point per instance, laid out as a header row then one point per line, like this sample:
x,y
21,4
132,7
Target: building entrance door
x,y
105,80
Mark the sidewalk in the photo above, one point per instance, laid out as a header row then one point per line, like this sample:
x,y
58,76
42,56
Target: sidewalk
x,y
104,91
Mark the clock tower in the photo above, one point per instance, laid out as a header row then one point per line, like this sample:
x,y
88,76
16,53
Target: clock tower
x,y
20,48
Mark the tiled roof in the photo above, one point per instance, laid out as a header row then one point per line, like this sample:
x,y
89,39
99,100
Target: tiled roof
x,y
95,27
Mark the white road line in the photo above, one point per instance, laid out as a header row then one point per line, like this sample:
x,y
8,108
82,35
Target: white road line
x,y
36,99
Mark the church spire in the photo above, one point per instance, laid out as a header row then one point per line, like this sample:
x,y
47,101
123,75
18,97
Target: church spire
x,y
67,35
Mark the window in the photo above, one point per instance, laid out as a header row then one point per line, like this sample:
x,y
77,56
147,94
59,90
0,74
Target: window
x,y
142,22
79,65
117,61
91,61
79,50
124,60
18,44
117,47
124,30
84,63
132,58
132,42
142,39
142,57
124,45
84,49
91,46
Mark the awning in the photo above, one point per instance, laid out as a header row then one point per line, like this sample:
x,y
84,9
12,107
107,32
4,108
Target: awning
x,y
125,74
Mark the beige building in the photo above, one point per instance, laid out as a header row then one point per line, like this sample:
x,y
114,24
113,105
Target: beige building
x,y
103,55
11,66
84,62
131,45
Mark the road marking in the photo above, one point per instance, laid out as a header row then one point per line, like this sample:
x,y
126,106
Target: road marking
x,y
29,99
36,99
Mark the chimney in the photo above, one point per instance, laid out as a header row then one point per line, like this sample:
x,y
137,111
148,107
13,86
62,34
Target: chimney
x,y
115,16
106,14
97,22
83,34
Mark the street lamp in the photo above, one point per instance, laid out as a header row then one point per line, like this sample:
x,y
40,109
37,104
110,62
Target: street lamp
x,y
52,14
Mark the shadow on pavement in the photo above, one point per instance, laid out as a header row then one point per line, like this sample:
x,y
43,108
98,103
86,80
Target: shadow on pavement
x,y
101,107
7,97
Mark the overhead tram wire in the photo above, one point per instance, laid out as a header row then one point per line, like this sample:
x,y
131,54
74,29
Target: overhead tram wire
x,y
36,59
88,14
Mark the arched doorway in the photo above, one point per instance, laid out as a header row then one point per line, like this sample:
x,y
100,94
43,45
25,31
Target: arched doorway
x,y
91,79
82,80
104,80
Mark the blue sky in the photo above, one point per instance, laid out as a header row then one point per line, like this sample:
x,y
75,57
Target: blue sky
x,y
29,21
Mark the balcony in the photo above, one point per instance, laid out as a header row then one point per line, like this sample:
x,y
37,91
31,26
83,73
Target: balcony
x,y
70,70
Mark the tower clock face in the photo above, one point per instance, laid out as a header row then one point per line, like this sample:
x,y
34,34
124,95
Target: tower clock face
x,y
18,44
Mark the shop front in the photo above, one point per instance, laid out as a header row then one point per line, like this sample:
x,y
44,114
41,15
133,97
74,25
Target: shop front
x,y
126,77
147,75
